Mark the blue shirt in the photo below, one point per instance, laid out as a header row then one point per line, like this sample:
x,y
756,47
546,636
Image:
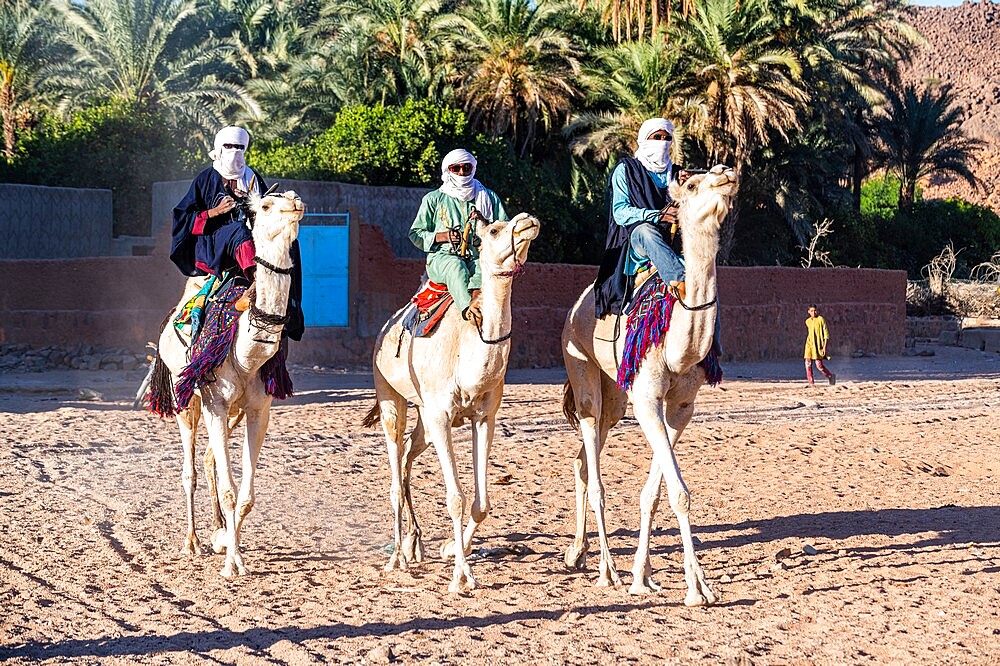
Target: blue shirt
x,y
625,213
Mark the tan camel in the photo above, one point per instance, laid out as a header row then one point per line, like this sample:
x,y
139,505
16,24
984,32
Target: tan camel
x,y
662,394
455,374
237,388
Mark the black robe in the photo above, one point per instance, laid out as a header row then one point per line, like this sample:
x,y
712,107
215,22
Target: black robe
x,y
613,288
213,250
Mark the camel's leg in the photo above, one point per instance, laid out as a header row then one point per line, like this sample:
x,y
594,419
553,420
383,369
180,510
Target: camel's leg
x,y
576,554
211,474
589,427
392,411
483,429
216,422
256,430
649,500
649,411
439,432
416,443
187,422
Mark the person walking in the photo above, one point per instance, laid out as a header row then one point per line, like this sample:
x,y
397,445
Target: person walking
x,y
817,337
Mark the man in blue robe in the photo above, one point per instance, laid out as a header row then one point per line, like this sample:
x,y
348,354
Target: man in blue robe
x,y
210,231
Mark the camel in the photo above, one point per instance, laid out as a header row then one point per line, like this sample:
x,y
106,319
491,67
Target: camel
x,y
455,374
662,394
237,389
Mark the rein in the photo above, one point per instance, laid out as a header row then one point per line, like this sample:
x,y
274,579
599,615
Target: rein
x,y
696,308
266,322
271,267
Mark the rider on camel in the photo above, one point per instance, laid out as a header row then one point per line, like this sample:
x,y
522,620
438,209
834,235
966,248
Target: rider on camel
x,y
211,234
642,223
445,228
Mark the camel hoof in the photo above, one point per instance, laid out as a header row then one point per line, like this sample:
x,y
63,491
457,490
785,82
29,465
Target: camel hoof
x,y
448,550
413,548
463,580
218,540
396,561
191,546
609,578
644,586
227,570
695,599
576,557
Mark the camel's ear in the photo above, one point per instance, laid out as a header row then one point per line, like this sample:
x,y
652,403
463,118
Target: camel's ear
x,y
674,189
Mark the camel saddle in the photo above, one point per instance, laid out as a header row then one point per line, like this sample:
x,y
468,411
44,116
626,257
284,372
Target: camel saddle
x,y
426,309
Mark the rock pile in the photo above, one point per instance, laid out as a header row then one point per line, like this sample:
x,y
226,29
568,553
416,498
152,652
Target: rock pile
x,y
24,358
963,49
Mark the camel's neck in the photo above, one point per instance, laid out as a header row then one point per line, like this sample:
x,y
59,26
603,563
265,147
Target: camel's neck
x,y
257,343
691,331
496,324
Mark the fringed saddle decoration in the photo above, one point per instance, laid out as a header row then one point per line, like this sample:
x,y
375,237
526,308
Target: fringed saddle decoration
x,y
209,351
648,323
429,305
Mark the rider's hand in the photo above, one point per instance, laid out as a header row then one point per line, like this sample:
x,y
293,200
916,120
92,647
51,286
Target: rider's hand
x,y
448,236
225,206
668,214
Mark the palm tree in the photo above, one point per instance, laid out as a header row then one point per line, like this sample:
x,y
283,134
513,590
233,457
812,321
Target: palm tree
x,y
26,48
627,84
851,50
138,51
390,44
743,86
515,67
923,135
633,15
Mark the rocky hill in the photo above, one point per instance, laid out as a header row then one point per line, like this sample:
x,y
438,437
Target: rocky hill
x,y
964,50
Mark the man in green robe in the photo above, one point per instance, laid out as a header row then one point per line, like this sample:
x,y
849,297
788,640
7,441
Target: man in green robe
x,y
445,228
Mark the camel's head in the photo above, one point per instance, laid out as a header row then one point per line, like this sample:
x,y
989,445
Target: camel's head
x,y
705,198
505,244
276,217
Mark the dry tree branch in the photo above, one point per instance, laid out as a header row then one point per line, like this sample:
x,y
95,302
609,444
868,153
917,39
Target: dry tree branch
x,y
820,230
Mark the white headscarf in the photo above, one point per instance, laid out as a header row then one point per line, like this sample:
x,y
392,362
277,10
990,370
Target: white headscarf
x,y
229,161
655,155
465,188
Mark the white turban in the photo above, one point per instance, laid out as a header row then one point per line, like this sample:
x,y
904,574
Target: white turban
x,y
655,155
229,161
465,188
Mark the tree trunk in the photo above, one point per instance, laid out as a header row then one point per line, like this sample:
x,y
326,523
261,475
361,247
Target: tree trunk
x,y
7,111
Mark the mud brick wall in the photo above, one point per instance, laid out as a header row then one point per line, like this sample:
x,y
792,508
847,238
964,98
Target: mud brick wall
x,y
120,301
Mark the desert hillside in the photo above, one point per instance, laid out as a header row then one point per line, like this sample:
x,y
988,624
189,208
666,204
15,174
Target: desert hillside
x,y
964,49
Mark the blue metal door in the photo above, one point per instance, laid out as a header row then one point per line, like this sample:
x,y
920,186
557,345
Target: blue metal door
x,y
324,245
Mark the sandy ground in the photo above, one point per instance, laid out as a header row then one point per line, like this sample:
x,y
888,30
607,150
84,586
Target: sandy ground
x,y
891,476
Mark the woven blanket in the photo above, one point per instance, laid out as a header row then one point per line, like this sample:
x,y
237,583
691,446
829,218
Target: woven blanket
x,y
648,323
428,307
211,347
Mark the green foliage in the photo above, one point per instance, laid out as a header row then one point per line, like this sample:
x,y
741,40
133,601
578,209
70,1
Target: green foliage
x,y
885,236
372,145
880,196
117,146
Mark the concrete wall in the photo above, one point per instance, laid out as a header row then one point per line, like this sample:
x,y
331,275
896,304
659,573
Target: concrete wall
x,y
120,301
54,222
390,208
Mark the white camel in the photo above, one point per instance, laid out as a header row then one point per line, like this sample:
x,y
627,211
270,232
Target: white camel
x,y
455,374
662,394
237,388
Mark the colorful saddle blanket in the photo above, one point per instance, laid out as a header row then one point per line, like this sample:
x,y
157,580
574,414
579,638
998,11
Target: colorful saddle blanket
x,y
212,345
427,309
648,322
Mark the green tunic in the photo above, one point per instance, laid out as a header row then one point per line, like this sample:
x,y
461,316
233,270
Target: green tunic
x,y
816,339
440,212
